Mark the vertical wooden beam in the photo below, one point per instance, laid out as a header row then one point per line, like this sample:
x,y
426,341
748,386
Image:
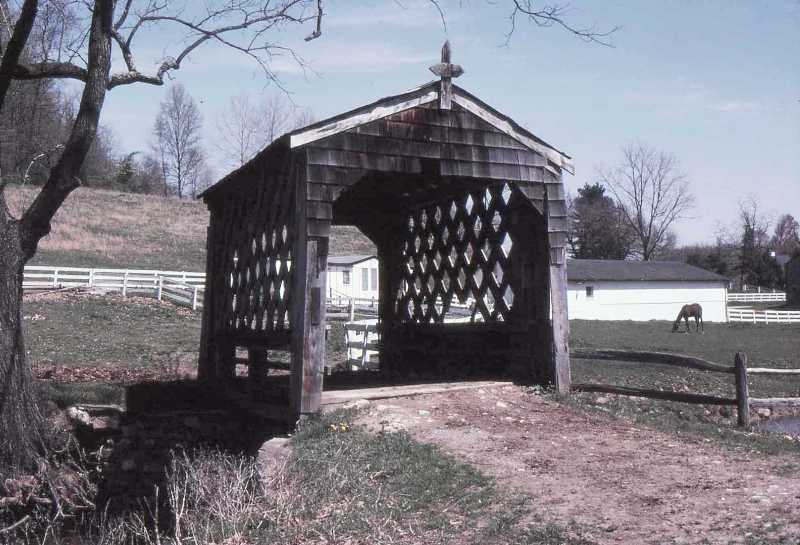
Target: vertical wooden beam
x,y
560,322
742,389
206,367
386,300
307,314
556,241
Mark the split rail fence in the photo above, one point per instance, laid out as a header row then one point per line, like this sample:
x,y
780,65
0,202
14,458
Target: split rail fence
x,y
739,370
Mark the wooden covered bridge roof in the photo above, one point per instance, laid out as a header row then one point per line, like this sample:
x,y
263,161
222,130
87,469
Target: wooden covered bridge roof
x,y
408,133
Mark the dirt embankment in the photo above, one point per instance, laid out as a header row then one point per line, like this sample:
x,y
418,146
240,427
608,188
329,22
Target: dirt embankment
x,y
626,484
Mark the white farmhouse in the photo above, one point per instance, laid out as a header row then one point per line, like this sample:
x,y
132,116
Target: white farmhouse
x,y
642,290
353,276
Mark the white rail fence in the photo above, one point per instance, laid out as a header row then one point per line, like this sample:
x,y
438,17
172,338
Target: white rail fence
x,y
764,316
754,297
181,287
180,293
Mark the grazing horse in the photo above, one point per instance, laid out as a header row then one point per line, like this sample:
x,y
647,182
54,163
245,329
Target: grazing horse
x,y
690,311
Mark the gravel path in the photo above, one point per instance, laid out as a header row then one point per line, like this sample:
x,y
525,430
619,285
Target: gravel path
x,y
626,484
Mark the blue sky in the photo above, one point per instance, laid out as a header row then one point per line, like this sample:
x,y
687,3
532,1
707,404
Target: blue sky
x,y
716,83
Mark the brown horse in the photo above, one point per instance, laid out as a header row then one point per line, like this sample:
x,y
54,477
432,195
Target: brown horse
x,y
690,311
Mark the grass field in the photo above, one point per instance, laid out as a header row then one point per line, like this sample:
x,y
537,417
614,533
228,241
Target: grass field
x,y
766,345
114,333
101,228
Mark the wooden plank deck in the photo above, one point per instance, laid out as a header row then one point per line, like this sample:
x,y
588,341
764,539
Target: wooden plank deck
x,y
333,398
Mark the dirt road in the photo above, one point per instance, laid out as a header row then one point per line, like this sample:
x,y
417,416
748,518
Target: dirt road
x,y
626,484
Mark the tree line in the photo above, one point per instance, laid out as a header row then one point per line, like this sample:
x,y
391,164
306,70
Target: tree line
x,y
40,114
630,210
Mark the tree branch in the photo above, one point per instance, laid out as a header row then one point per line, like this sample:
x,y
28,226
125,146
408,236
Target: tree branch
x,y
16,44
63,179
553,15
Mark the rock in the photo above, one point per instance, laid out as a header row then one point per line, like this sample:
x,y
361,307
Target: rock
x,y
764,413
501,405
274,451
79,416
357,404
423,412
602,400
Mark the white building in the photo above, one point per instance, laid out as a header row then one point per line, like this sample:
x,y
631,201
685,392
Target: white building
x,y
597,289
642,290
353,276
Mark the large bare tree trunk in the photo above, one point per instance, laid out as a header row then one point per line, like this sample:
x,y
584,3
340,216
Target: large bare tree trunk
x,y
20,420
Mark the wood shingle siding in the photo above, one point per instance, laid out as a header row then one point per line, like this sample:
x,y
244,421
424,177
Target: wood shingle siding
x,y
461,203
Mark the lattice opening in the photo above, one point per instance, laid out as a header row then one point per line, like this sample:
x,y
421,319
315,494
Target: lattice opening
x,y
456,258
257,260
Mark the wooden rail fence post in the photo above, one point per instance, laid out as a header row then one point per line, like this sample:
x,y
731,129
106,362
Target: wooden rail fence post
x,y
125,284
194,298
160,287
742,391
55,278
91,278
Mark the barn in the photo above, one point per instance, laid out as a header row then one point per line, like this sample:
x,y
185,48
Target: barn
x,y
461,203
599,289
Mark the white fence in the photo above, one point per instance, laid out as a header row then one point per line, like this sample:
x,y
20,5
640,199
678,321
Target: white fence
x,y
363,342
180,293
763,316
755,297
181,287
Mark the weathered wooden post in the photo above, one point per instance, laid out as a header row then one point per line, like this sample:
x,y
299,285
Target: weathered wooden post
x,y
125,284
160,287
742,390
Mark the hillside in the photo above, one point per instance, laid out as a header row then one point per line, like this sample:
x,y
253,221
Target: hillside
x,y
101,228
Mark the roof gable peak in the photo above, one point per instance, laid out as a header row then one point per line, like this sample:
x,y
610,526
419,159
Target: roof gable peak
x,y
422,95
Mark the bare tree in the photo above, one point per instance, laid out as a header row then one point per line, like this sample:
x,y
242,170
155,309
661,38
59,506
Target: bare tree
x,y
177,134
249,125
786,239
84,52
653,193
756,267
86,56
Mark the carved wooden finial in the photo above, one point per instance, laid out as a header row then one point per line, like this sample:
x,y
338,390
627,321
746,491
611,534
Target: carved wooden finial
x,y
446,71
446,52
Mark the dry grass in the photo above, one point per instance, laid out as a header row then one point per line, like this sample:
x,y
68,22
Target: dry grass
x,y
102,228
341,485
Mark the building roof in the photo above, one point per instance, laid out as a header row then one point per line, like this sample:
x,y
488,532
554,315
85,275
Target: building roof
x,y
609,269
423,94
348,259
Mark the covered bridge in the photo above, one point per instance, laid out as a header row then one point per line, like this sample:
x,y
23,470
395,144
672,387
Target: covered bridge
x,y
460,201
